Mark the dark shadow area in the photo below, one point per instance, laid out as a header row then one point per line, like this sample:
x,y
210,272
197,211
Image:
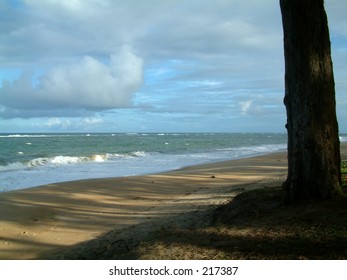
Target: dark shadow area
x,y
59,215
255,225
186,224
123,243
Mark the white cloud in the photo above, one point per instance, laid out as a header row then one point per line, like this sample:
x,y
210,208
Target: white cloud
x,y
245,106
93,121
202,57
88,84
57,123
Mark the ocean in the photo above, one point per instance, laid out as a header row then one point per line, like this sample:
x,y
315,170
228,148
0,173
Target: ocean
x,y
29,160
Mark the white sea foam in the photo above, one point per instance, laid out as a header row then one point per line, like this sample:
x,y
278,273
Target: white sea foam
x,y
13,166
66,160
251,150
131,133
63,160
69,160
23,135
99,158
138,154
46,170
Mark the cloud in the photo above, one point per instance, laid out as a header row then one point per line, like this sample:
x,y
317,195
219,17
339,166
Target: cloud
x,y
54,30
337,16
55,123
87,84
245,106
196,59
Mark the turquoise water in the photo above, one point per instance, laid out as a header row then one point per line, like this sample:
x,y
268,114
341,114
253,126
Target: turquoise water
x,y
28,160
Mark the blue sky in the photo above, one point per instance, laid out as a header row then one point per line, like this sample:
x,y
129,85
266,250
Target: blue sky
x,y
150,66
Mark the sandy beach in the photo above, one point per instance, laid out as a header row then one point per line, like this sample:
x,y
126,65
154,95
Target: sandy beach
x,y
37,222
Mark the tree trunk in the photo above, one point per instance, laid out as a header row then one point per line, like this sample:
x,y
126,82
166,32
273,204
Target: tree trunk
x,y
313,139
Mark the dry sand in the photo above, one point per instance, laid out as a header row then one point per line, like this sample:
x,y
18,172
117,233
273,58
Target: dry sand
x,y
39,221
36,221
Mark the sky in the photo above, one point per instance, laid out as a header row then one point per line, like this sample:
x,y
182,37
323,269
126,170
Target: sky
x,y
150,66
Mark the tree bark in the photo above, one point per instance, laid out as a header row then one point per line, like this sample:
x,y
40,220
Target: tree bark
x,y
313,138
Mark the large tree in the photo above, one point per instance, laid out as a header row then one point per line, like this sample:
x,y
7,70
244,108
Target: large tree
x,y
313,139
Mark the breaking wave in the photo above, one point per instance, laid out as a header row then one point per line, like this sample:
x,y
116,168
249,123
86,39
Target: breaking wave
x,y
67,160
23,135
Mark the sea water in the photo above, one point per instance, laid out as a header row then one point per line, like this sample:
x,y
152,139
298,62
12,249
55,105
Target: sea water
x,y
28,160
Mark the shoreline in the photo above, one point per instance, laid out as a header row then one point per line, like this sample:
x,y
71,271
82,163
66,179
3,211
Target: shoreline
x,y
40,221
135,172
